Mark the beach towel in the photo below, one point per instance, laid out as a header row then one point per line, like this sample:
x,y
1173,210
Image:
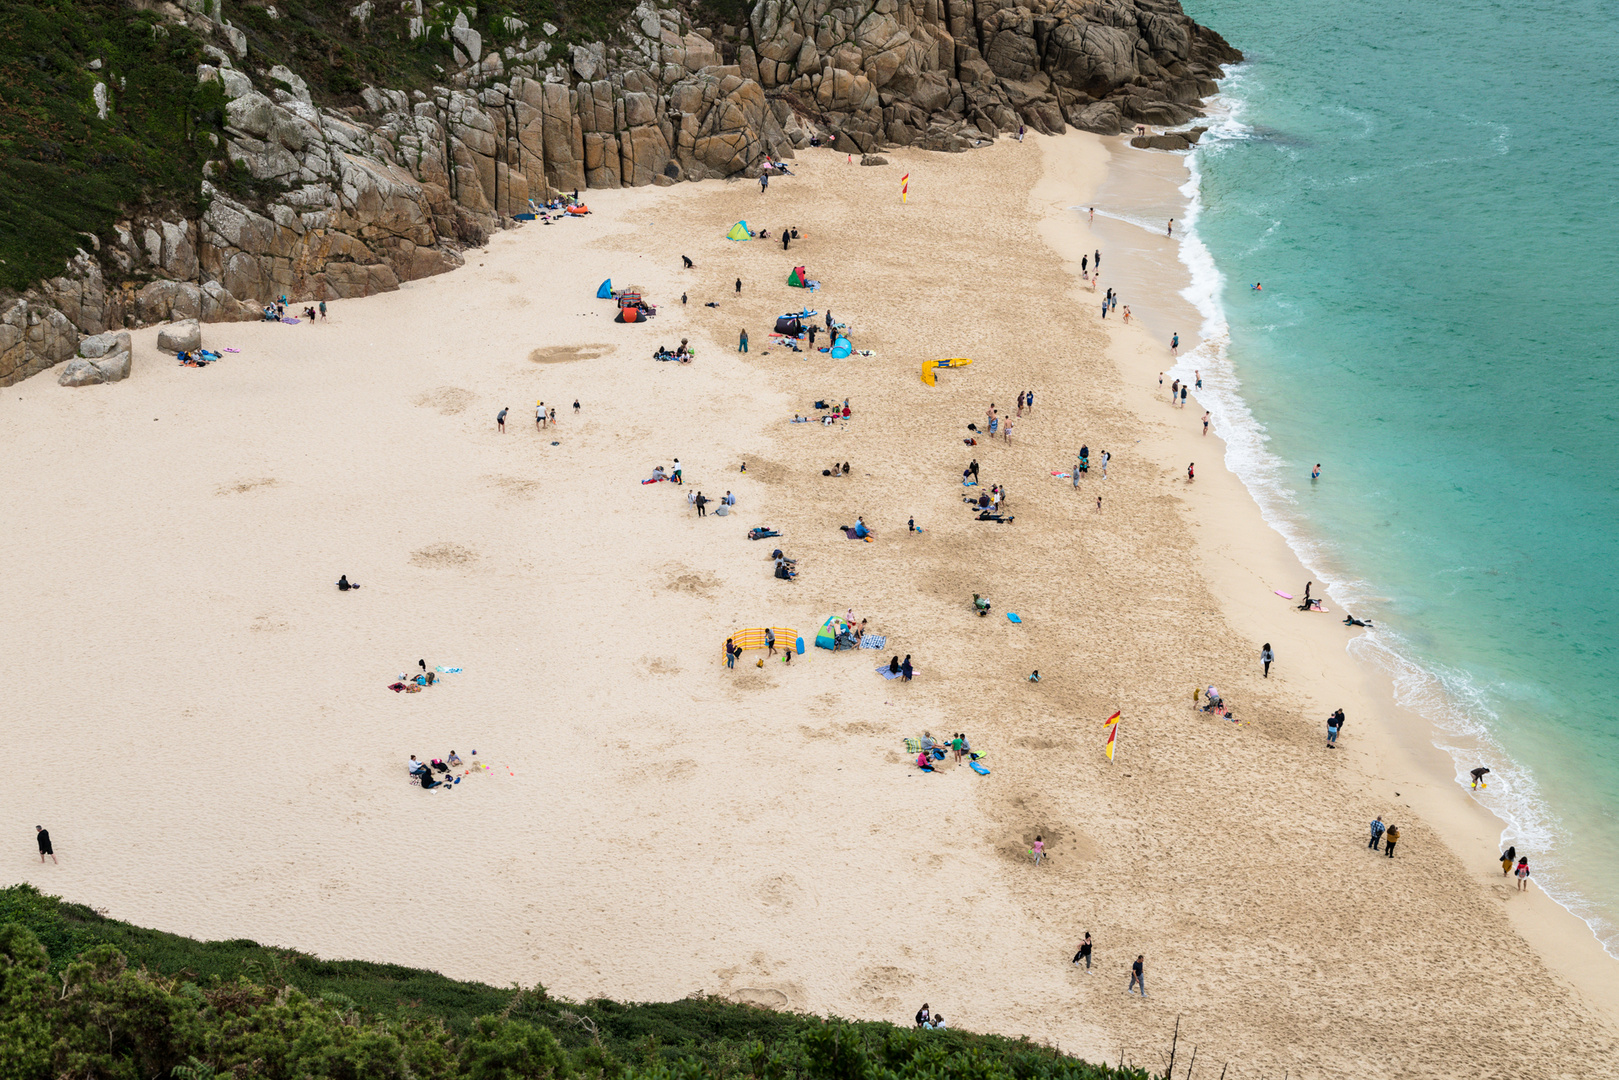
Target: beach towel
x,y
290,321
396,687
874,641
848,534
885,673
448,670
913,746
655,480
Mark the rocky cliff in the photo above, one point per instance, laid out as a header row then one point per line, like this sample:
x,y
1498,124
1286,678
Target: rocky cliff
x,y
319,201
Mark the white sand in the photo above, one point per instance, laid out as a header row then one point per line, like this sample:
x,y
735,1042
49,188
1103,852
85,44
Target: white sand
x,y
210,739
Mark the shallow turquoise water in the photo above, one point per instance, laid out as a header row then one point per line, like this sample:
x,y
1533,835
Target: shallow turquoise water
x,y
1430,195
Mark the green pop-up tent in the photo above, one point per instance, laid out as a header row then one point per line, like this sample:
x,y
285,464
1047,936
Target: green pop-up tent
x,y
740,231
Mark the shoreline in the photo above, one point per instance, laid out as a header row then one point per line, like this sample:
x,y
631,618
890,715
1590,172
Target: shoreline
x,y
666,826
1405,751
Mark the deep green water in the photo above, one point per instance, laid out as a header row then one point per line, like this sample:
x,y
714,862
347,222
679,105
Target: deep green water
x,y
1430,195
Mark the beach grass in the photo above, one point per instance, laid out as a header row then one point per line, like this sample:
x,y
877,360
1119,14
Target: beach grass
x,y
166,994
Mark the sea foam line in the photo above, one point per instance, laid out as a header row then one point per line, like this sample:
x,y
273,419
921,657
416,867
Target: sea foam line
x,y
1449,700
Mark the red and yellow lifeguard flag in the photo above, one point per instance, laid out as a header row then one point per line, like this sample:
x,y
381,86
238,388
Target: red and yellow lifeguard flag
x,y
905,188
1112,723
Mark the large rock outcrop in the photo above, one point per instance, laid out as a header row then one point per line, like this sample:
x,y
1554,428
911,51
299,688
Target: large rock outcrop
x,y
397,187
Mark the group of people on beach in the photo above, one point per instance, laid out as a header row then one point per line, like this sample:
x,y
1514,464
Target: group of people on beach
x,y
422,771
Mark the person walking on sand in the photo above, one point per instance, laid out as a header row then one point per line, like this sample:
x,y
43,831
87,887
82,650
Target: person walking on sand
x,y
1020,403
1171,230
1506,860
1096,261
1174,389
674,475
770,642
1084,266
500,420
1175,345
1205,423
1106,457
1391,838
1335,724
1266,657
323,309
1039,850
1191,471
1377,833
539,415
44,839
742,343
1138,975
1522,874
1099,504
1028,401
701,502
1006,430
739,286
764,182
1084,953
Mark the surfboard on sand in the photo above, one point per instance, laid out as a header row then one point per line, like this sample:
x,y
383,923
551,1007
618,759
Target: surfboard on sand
x,y
1284,595
978,768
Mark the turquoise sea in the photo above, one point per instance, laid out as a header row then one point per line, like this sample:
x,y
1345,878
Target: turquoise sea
x,y
1429,194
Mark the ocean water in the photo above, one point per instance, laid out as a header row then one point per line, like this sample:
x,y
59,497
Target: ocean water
x,y
1430,196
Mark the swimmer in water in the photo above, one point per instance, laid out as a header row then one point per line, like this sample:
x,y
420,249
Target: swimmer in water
x,y
1258,287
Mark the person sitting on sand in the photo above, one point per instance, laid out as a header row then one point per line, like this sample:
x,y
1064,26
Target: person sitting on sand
x,y
344,585
893,667
453,760
685,348
416,766
923,763
860,530
658,473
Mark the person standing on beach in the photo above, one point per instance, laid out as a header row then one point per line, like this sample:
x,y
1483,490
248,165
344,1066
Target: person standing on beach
x,y
1522,873
1138,975
1171,230
742,342
701,501
1020,403
1099,504
1039,850
1084,265
730,652
1174,390
1183,395
739,286
764,182
770,642
1392,839
1084,952
323,309
1028,400
1506,860
1198,375
1104,307
1097,261
1377,833
1335,724
44,839
500,420
973,468
1093,218
1478,775
1205,423
1006,430
1191,472
539,415
1175,345
1266,657
1106,457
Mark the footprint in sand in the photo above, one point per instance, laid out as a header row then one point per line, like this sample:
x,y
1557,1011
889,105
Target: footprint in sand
x,y
567,354
439,556
448,400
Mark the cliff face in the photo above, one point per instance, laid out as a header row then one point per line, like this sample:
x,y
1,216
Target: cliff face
x,y
321,203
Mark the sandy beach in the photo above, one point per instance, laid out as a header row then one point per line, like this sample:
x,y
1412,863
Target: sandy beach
x,y
217,752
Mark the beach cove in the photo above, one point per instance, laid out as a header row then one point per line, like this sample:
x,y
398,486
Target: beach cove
x,y
224,758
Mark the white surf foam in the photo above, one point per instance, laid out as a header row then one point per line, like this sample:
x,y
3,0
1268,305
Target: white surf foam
x,y
1458,709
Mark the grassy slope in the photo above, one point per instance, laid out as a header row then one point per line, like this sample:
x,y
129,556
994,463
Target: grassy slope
x,y
716,1034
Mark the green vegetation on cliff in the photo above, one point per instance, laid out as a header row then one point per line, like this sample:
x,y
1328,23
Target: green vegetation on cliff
x,y
66,172
86,996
